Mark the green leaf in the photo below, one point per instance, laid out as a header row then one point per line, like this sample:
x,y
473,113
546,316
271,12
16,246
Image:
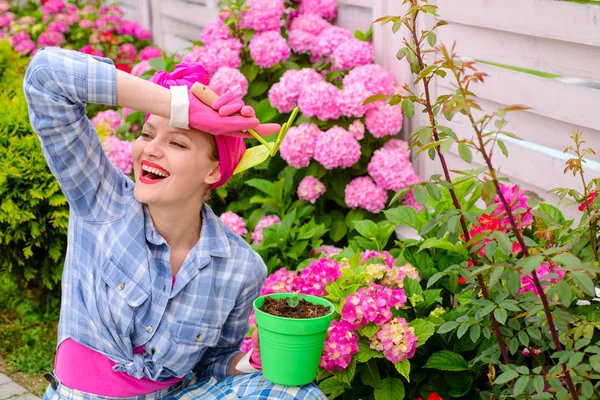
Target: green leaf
x,y
502,147
506,377
500,314
520,385
423,330
433,191
447,327
568,260
444,244
366,228
401,53
258,88
584,282
514,282
474,333
250,71
538,383
408,108
331,386
431,38
347,374
390,389
447,361
488,192
595,362
369,374
365,352
374,98
265,112
564,293
403,368
465,152
420,195
405,216
503,241
495,275
158,63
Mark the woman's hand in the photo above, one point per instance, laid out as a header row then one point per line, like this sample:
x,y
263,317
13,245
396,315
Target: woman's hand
x,y
255,359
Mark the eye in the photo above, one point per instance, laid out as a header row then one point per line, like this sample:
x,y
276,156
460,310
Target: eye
x,y
145,135
178,145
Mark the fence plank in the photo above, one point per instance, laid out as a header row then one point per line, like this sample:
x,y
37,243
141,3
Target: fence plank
x,y
571,22
540,54
566,102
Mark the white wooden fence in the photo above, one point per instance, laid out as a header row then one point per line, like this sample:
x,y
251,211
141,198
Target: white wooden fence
x,y
551,36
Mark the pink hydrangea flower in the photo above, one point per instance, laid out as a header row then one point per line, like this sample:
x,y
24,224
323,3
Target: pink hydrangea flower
x,y
337,148
324,8
375,80
149,53
384,256
221,53
6,19
91,50
301,42
4,7
318,274
234,222
542,273
330,39
310,188
309,23
284,94
516,199
341,344
213,31
351,99
57,26
109,118
268,49
19,37
320,100
24,47
53,6
362,192
357,129
127,52
372,304
281,281
140,68
246,344
352,53
391,168
229,78
86,24
327,250
396,340
263,15
298,146
51,38
119,153
384,121
267,220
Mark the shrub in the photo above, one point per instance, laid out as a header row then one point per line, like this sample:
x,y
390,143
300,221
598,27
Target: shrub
x,y
33,211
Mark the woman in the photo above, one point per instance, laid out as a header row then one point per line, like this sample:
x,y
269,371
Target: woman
x,y
156,291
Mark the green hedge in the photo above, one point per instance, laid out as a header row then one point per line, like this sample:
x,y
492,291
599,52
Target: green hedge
x,y
33,211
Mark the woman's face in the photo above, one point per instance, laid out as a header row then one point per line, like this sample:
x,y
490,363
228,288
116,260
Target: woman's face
x,y
171,165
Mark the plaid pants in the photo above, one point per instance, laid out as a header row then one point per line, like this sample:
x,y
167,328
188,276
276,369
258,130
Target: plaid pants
x,y
247,387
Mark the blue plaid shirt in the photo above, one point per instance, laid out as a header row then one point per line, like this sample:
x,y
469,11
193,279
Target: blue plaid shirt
x,y
117,289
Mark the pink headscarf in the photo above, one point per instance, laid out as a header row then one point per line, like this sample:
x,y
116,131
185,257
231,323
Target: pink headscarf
x,y
230,149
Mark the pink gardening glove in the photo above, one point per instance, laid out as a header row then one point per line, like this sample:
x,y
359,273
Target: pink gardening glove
x,y
219,120
255,360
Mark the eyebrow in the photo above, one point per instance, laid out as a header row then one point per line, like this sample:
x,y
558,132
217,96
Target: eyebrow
x,y
170,131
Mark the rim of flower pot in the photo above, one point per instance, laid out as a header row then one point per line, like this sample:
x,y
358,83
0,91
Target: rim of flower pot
x,y
285,295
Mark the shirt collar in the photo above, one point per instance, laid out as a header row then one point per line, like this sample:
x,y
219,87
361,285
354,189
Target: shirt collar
x,y
213,239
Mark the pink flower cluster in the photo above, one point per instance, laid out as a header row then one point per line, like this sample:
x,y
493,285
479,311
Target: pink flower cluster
x,y
396,340
391,168
391,276
324,8
267,220
372,304
362,82
384,256
140,68
543,273
150,52
337,148
298,146
229,78
341,344
262,15
110,119
234,222
281,281
318,274
326,249
284,94
362,192
220,53
384,121
351,53
310,188
268,49
213,31
357,129
516,199
119,153
320,100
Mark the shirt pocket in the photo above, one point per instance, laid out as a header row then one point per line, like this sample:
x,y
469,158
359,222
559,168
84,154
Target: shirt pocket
x,y
121,296
191,340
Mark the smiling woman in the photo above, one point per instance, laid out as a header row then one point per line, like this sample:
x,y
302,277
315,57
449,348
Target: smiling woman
x,y
156,290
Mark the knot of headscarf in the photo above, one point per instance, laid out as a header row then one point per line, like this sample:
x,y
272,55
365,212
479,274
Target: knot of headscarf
x,y
230,148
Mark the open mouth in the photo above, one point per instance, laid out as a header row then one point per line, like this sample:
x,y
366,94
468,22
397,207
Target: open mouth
x,y
152,173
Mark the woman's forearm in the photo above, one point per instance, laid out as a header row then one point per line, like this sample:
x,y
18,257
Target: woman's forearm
x,y
141,95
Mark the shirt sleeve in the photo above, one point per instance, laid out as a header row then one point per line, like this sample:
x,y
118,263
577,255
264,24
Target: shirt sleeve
x,y
57,85
215,362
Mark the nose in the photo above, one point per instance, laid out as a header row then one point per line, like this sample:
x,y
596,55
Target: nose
x,y
154,148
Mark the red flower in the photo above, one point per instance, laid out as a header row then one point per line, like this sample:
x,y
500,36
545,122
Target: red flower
x,y
124,67
432,396
43,1
462,281
516,248
590,199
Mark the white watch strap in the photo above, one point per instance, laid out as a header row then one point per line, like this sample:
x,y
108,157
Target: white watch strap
x,y
180,106
244,364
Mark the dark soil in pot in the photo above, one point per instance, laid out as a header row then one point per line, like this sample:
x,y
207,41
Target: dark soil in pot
x,y
303,310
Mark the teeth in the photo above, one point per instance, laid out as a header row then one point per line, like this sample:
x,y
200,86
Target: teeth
x,y
155,171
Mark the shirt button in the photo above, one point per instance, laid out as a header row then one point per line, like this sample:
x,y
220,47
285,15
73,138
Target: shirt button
x,y
199,338
149,329
145,353
121,286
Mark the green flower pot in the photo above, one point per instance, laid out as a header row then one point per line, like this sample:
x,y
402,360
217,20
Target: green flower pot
x,y
291,349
